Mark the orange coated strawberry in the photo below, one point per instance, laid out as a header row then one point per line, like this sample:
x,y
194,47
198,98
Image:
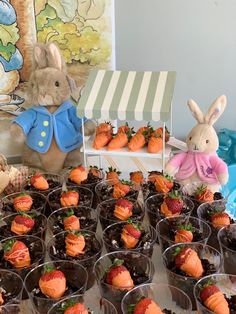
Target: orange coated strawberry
x,y
152,175
101,140
1,299
163,183
159,132
147,306
121,189
74,308
53,283
119,276
104,127
123,209
172,205
137,177
130,234
188,261
95,171
220,219
22,202
71,222
22,224
78,174
75,243
184,234
203,194
155,144
16,253
39,182
113,175
69,198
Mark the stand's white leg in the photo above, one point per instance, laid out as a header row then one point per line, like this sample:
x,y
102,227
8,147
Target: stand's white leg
x,y
84,148
164,146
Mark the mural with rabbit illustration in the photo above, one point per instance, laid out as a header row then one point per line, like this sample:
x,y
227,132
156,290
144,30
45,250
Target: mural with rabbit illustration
x,y
82,30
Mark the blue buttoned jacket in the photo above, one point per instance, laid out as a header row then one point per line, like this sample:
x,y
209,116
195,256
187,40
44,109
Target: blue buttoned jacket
x,y
39,126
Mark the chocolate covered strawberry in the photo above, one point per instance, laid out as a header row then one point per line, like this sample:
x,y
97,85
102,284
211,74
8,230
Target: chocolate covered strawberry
x,y
184,234
39,182
172,205
214,299
78,174
121,189
147,306
52,283
23,202
163,183
69,198
137,177
123,209
16,253
188,261
22,224
72,307
159,132
203,194
70,221
113,175
119,276
131,234
75,243
220,219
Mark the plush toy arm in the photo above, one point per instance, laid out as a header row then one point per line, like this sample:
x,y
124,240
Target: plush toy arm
x,y
22,125
4,180
89,125
220,168
174,164
17,133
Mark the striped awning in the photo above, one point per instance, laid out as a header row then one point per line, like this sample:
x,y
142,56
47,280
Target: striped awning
x,y
127,95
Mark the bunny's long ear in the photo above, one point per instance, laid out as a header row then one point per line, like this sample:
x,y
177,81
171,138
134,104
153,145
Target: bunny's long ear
x,y
216,110
40,57
196,111
54,58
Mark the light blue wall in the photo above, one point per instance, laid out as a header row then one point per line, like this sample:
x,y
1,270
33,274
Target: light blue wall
x,y
196,38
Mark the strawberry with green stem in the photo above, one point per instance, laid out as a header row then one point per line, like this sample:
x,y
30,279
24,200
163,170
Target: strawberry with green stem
x,y
131,234
203,194
219,218
78,174
22,202
184,233
163,183
123,209
75,243
69,198
52,283
145,306
16,253
22,223
121,189
113,175
70,221
73,307
95,171
39,182
173,204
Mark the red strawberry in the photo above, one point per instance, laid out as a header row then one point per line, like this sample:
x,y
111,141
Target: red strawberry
x,y
220,219
121,189
53,283
22,224
173,204
214,299
146,306
119,276
75,308
123,209
22,202
130,234
16,253
188,261
39,182
69,198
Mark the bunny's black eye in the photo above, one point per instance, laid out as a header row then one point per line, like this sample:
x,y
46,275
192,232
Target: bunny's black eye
x,y
57,83
190,138
207,141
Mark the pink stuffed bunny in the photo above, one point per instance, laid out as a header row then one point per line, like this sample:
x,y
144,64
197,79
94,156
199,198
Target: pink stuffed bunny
x,y
200,162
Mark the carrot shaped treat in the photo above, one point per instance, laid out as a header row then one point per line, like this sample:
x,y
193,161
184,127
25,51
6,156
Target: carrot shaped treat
x,y
22,223
75,243
159,132
69,198
120,140
123,209
16,253
119,276
121,189
52,283
78,174
113,174
147,306
71,222
155,145
214,299
104,127
101,140
74,308
188,261
203,194
137,142
39,182
184,234
131,234
137,177
23,202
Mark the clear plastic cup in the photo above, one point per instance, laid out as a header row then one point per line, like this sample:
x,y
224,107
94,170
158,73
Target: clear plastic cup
x,y
39,202
167,227
11,285
53,198
88,218
105,212
202,213
227,240
93,249
94,304
39,229
184,282
153,203
166,296
11,309
112,238
76,281
225,282
140,267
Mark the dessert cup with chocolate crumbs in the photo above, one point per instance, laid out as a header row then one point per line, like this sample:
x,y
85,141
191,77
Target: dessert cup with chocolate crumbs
x,y
104,191
170,299
227,240
167,229
92,304
76,281
205,211
88,218
112,238
39,202
140,267
53,198
38,230
11,286
225,282
106,212
54,181
153,205
56,249
211,261
11,309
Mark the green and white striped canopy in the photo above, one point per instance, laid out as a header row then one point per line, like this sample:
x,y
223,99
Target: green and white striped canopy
x,y
127,95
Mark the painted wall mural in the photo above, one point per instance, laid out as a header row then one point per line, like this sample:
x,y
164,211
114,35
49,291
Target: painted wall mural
x,y
82,29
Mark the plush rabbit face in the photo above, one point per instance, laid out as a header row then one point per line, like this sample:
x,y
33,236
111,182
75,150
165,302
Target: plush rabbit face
x,y
49,84
203,138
